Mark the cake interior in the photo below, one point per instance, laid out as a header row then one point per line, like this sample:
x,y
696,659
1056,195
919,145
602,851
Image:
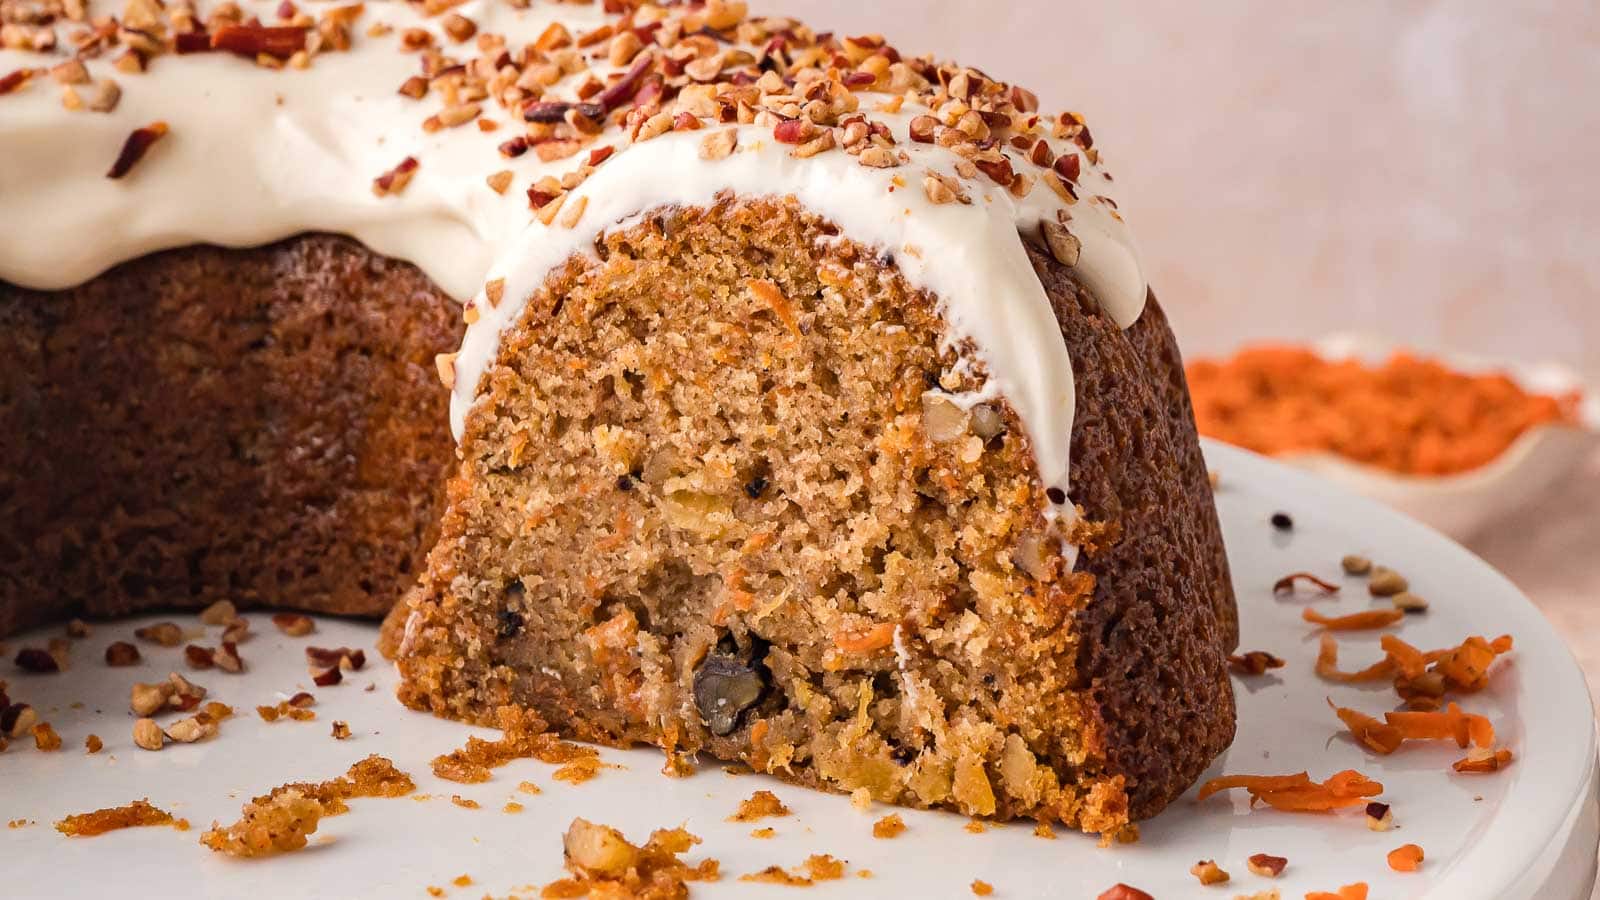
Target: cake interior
x,y
716,497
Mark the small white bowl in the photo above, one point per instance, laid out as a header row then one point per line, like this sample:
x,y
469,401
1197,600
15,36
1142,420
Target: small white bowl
x,y
1462,504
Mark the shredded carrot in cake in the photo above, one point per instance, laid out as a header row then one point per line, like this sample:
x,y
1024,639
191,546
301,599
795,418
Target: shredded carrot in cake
x,y
1370,618
1480,761
1409,415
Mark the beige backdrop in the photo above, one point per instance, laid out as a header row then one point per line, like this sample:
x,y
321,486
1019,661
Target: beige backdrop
x,y
1425,169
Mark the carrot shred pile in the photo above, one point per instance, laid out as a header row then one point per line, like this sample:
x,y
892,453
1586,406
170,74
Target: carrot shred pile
x,y
1358,621
1449,724
1297,792
1408,415
1421,677
1405,858
1357,891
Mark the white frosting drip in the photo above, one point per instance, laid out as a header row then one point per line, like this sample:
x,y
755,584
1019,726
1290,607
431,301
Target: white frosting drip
x,y
256,155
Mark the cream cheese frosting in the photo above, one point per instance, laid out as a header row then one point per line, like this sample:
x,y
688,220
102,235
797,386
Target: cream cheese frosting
x,y
256,154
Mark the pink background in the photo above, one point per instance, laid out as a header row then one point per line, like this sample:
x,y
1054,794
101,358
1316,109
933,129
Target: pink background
x,y
1424,169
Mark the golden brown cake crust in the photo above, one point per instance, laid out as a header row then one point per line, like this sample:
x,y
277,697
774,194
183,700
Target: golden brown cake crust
x,y
262,426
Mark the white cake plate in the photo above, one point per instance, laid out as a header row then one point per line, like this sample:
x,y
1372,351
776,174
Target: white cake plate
x,y
1528,831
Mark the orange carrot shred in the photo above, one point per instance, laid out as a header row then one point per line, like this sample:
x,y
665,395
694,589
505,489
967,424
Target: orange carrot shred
x,y
1405,858
1357,891
1368,731
1254,783
1371,618
1286,584
1449,724
875,638
1297,793
1484,762
1328,665
1408,660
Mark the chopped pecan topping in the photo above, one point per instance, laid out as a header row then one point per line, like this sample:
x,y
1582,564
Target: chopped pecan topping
x,y
134,149
277,41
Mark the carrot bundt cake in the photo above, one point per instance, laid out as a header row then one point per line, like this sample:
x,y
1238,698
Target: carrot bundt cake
x,y
812,409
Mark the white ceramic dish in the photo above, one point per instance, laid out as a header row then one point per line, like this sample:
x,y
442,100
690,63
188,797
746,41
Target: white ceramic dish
x,y
1463,504
1528,831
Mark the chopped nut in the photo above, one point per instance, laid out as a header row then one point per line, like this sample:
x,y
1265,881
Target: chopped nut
x,y
93,744
1208,872
395,180
500,181
1266,865
445,363
336,657
167,634
459,27
199,657
1064,246
17,720
194,728
222,612
1254,662
574,212
77,628
719,144
1356,565
1120,891
147,735
105,97
1386,582
236,631
227,657
1409,602
148,699
1379,816
341,730
328,677
294,624
33,659
70,72
135,147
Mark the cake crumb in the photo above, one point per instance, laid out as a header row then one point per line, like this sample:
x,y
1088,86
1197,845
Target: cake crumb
x,y
528,787
861,799
976,826
45,737
280,820
817,867
759,805
890,826
1043,830
138,814
524,735
982,888
602,861
764,833
512,806
92,743
464,802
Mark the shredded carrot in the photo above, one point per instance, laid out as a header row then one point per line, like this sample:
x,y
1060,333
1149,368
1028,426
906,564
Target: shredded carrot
x,y
1357,891
1449,724
1255,783
1371,618
875,638
1298,793
1408,660
1467,667
1328,665
1405,858
1369,732
1409,415
1286,584
1483,762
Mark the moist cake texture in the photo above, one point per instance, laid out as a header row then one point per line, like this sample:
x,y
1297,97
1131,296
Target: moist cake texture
x,y
718,496
812,410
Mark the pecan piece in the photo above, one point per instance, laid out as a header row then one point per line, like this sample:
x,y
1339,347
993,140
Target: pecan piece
x,y
280,41
135,147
